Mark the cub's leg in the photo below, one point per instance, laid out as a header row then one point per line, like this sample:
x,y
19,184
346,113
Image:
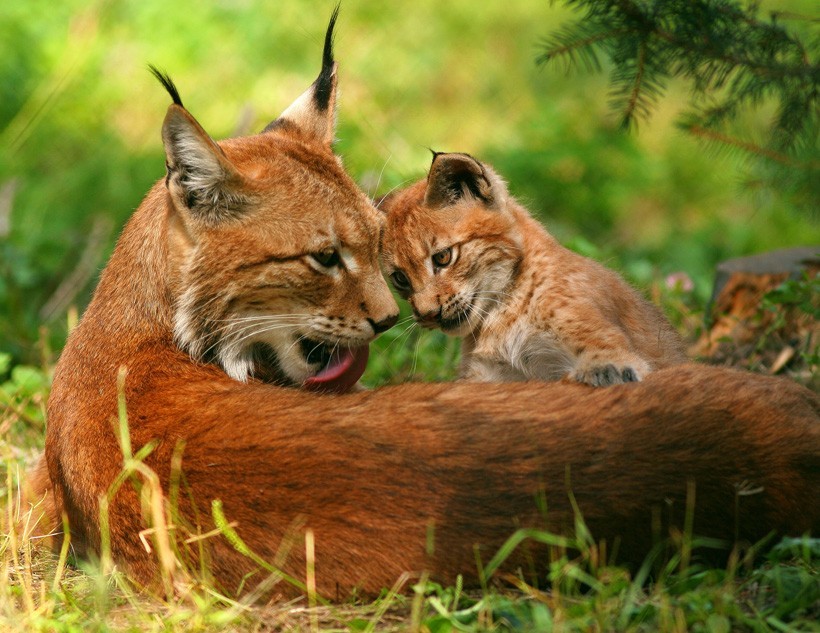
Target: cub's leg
x,y
602,352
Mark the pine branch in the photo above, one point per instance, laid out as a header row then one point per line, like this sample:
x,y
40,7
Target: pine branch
x,y
733,59
637,85
572,43
752,148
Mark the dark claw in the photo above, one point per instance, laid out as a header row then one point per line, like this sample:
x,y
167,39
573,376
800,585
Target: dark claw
x,y
629,375
602,376
608,375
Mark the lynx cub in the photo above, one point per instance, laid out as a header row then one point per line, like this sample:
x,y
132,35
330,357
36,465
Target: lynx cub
x,y
473,262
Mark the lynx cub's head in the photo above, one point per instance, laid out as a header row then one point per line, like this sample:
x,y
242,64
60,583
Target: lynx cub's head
x,y
273,250
451,247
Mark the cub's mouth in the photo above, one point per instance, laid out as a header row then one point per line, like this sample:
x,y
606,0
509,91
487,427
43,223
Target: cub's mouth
x,y
456,320
340,367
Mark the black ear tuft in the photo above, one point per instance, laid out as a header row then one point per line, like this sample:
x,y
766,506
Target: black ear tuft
x,y
434,153
313,114
167,83
453,177
324,83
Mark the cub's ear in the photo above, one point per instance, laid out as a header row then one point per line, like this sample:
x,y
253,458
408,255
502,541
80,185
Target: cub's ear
x,y
454,177
200,176
314,112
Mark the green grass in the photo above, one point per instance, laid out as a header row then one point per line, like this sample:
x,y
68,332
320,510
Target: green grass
x,y
408,352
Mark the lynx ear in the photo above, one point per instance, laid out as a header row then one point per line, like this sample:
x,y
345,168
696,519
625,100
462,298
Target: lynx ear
x,y
454,177
200,177
314,112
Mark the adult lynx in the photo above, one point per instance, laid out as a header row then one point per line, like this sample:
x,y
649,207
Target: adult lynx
x,y
473,262
270,227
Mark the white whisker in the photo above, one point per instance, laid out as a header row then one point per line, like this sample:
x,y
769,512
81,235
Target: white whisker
x,y
379,179
239,325
406,319
405,332
384,197
235,339
260,317
298,340
415,357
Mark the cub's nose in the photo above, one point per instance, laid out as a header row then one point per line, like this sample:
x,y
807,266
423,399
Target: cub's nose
x,y
384,324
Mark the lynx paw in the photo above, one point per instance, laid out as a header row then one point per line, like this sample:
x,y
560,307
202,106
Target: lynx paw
x,y
605,375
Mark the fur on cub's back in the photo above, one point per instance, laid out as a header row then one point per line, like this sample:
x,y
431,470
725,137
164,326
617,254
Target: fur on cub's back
x,y
472,261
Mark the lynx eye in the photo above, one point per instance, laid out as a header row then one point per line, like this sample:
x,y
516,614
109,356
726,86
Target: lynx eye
x,y
328,257
443,257
400,281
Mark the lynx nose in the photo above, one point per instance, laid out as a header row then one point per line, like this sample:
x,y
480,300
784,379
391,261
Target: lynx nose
x,y
384,324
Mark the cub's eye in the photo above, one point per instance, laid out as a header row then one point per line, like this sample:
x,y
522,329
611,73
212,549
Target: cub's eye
x,y
443,258
327,258
400,281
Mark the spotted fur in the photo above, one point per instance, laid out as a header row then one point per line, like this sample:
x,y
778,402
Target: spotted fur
x,y
473,262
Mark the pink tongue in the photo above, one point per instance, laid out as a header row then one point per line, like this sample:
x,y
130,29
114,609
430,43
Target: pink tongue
x,y
342,371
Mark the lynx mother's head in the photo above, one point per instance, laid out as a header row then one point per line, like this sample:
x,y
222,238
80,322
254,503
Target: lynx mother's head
x,y
272,249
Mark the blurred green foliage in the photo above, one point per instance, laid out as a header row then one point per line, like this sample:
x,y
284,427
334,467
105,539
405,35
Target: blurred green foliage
x,y
80,145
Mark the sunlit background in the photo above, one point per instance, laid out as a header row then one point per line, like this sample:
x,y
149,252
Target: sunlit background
x,y
80,142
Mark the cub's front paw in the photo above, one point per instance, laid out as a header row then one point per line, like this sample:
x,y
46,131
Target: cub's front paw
x,y
605,375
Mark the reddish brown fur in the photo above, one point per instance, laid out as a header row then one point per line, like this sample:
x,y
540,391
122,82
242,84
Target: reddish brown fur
x,y
370,473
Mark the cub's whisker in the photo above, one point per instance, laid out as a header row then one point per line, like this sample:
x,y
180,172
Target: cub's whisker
x,y
404,333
